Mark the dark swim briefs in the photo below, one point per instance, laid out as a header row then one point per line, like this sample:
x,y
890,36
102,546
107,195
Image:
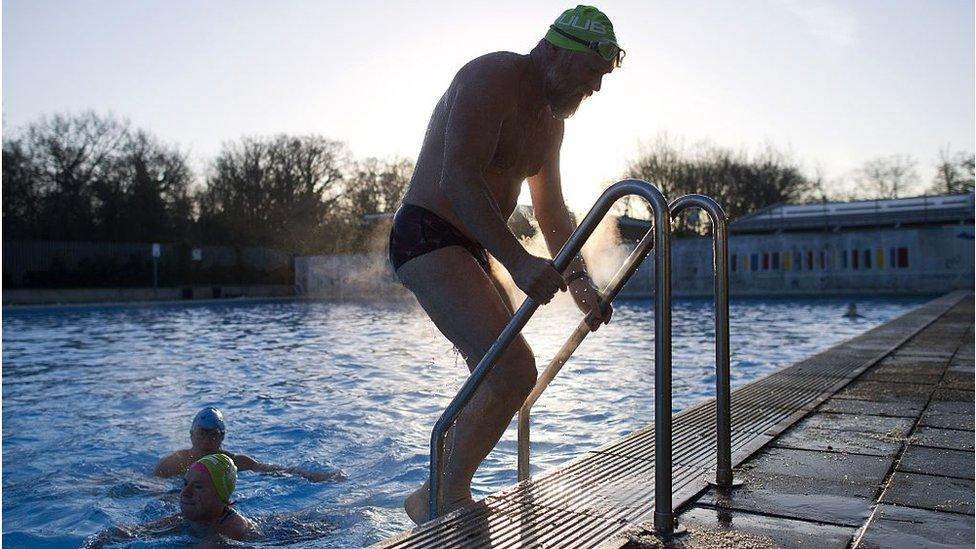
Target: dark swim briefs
x,y
417,231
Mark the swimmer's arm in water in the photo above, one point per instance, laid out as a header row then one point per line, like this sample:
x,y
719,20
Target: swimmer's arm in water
x,y
557,224
124,533
479,101
172,465
246,463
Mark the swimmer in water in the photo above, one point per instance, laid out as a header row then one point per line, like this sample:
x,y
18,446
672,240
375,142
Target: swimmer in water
x,y
206,511
852,311
206,436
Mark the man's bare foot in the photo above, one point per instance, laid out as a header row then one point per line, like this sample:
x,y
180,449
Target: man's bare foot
x,y
416,504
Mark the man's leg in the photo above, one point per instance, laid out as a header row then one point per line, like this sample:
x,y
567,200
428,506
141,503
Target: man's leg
x,y
466,307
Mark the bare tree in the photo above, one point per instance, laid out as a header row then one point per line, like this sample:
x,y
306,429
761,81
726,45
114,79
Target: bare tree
x,y
279,191
886,177
740,183
377,186
373,186
70,155
21,192
954,173
91,177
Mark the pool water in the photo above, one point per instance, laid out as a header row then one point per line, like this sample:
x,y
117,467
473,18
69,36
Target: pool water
x,y
94,396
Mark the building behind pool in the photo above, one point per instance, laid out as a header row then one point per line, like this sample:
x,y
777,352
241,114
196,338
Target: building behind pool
x,y
921,245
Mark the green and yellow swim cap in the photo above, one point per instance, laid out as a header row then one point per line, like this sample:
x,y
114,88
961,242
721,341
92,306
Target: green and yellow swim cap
x,y
222,472
587,29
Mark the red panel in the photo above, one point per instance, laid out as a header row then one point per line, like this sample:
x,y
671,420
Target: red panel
x,y
902,258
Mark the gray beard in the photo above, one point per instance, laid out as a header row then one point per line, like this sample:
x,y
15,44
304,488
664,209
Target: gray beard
x,y
562,106
565,108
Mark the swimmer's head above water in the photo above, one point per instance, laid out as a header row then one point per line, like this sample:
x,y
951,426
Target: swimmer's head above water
x,y
207,487
584,48
207,430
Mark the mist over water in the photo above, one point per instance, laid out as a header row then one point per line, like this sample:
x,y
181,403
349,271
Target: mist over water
x,y
94,396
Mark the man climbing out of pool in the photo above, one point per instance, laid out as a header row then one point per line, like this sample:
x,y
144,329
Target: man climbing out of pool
x,y
205,508
206,436
499,123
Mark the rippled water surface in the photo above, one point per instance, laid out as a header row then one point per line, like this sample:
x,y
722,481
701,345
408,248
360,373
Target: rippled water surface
x,y
94,396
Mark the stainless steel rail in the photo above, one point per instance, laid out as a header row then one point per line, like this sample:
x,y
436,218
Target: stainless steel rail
x,y
663,515
608,294
720,268
723,472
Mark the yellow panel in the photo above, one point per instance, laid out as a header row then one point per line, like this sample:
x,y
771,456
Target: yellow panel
x,y
879,257
788,261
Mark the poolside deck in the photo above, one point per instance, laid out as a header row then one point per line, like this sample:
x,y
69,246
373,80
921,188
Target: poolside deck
x,y
869,443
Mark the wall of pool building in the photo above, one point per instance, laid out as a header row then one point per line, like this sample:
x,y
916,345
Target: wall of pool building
x,y
907,246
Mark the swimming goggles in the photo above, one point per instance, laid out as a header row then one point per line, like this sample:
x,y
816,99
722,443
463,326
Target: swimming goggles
x,y
606,49
212,434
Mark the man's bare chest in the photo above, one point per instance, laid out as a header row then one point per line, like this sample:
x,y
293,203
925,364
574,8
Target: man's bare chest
x,y
523,143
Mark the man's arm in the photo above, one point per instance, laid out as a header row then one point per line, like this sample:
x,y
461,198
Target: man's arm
x,y
247,463
482,99
557,225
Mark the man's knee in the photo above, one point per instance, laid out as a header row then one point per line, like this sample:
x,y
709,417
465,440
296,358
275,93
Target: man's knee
x,y
514,373
517,373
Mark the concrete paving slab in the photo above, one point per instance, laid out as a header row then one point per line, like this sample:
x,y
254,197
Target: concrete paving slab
x,y
948,421
914,363
925,352
963,366
892,426
906,408
716,524
844,468
899,377
908,372
895,527
943,438
832,440
959,380
885,392
937,461
953,395
930,492
830,501
952,407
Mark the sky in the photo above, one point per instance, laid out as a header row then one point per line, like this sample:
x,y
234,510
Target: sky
x,y
833,83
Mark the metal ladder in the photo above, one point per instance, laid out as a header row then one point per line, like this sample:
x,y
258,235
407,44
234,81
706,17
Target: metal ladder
x,y
658,237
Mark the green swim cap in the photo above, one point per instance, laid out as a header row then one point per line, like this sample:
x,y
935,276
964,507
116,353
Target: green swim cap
x,y
585,28
222,471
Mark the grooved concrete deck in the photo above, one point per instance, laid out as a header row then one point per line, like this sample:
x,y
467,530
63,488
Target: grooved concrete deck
x,y
849,453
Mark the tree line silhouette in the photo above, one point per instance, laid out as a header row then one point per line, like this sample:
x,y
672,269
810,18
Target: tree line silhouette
x,y
92,177
95,178
744,183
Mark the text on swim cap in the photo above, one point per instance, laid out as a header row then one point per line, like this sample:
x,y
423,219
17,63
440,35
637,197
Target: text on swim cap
x,y
573,21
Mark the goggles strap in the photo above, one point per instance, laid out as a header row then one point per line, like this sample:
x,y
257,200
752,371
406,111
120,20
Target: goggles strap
x,y
595,46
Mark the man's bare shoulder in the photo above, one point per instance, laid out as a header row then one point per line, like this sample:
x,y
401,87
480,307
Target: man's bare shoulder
x,y
174,464
180,454
497,69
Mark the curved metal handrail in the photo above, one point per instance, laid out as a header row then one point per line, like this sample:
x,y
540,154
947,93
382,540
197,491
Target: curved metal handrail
x,y
608,294
723,472
663,516
720,268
